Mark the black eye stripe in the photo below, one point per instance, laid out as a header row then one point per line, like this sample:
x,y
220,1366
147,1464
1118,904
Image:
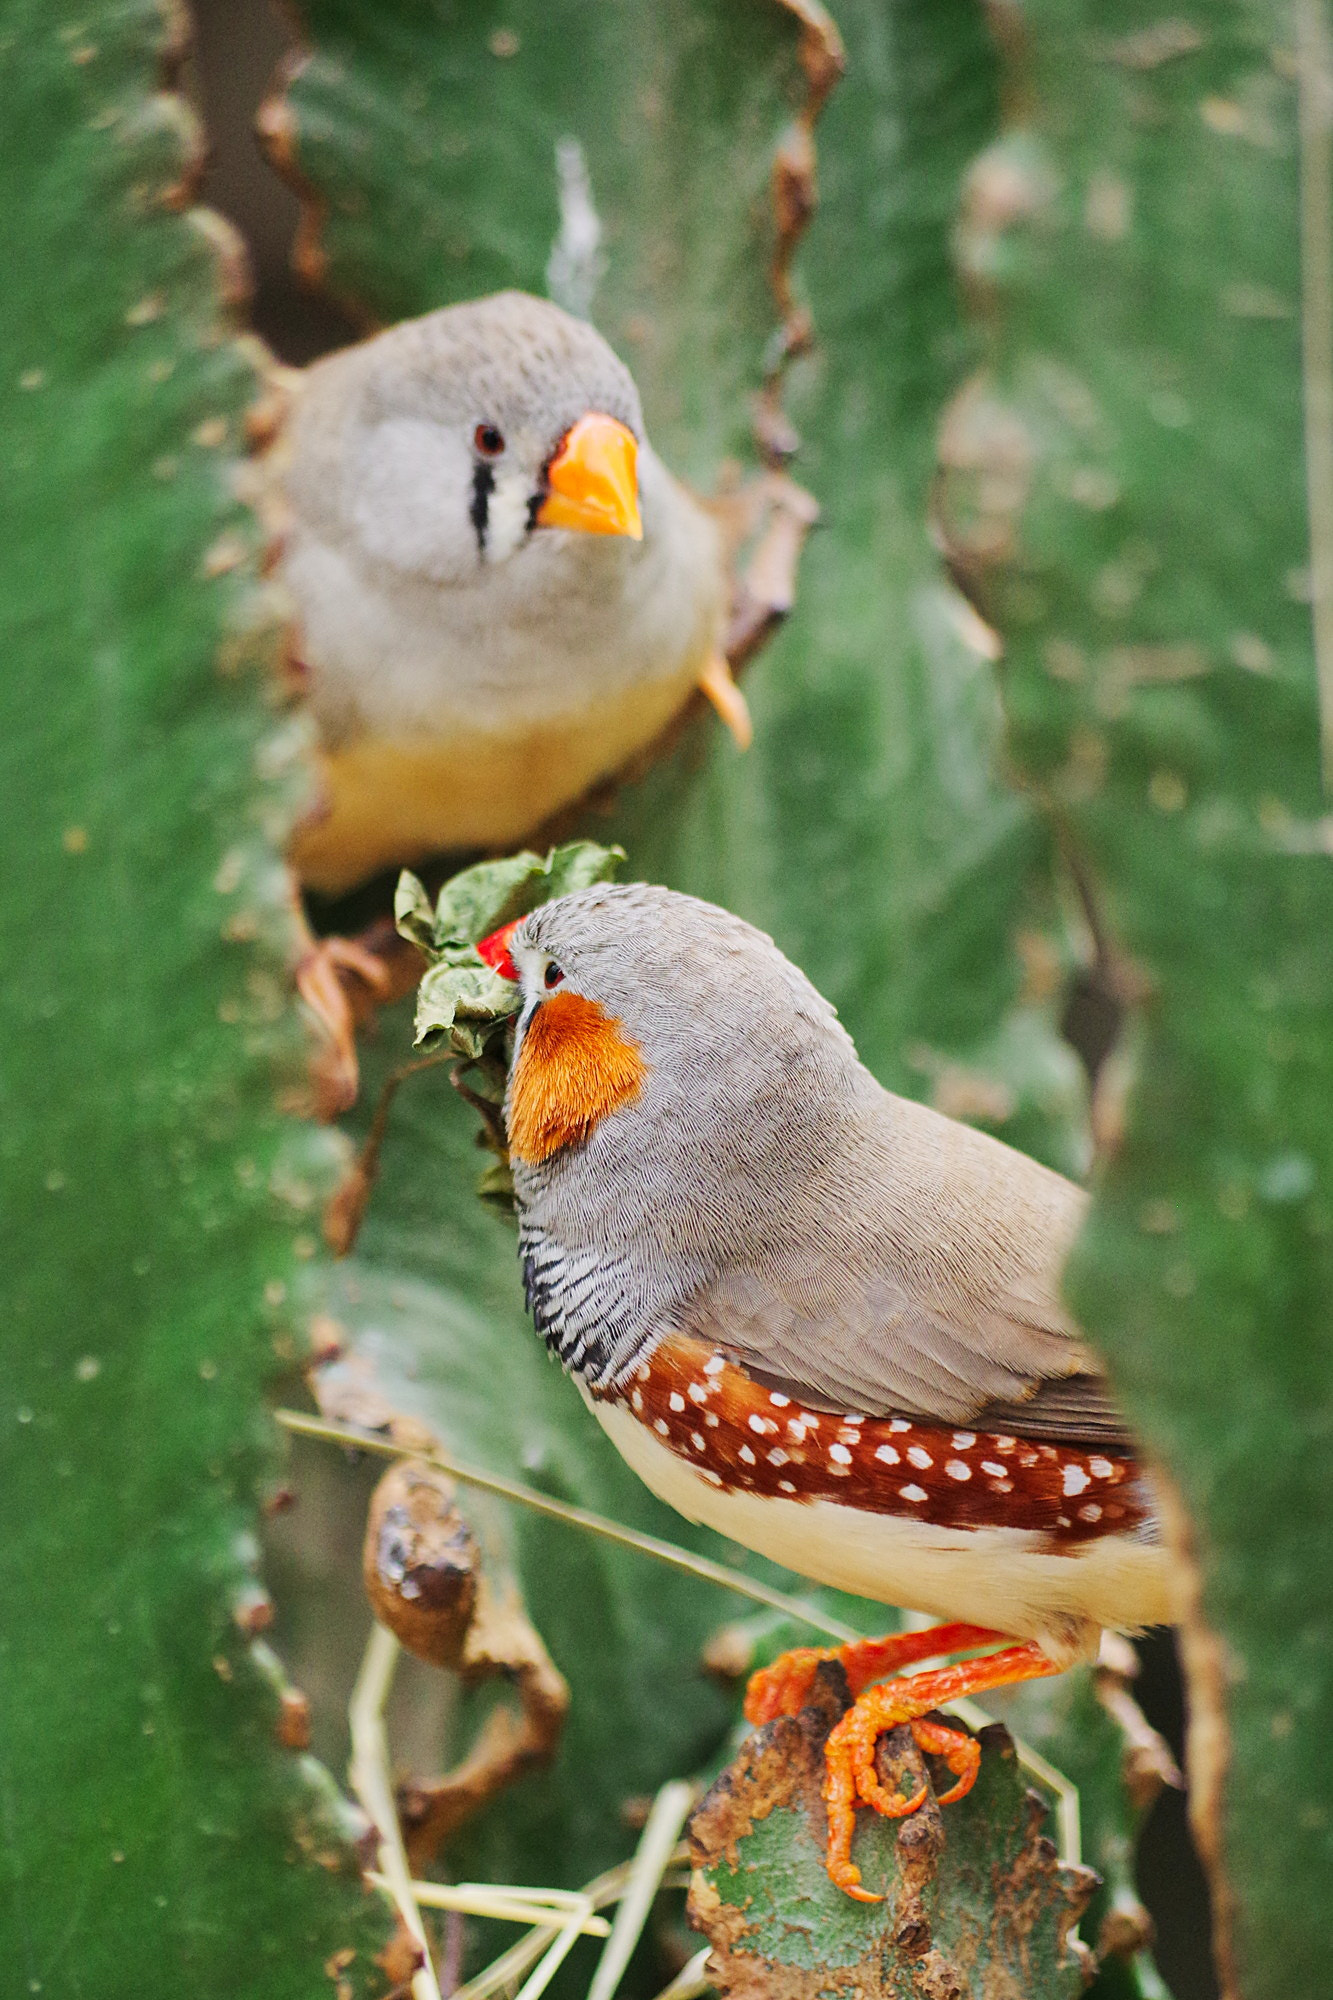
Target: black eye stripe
x,y
483,485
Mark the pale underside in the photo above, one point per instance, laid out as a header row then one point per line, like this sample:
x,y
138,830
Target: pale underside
x,y
385,802
1003,1577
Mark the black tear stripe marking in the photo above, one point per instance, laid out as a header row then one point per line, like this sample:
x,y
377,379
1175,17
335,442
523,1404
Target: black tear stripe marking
x,y
483,485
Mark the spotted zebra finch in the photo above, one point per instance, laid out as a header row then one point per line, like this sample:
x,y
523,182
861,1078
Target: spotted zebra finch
x,y
822,1319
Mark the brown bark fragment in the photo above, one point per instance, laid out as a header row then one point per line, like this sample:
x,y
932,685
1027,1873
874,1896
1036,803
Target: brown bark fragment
x,y
293,1727
427,1581
420,1563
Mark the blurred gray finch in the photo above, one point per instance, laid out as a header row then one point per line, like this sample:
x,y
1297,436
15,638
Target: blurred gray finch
x,y
822,1319
499,593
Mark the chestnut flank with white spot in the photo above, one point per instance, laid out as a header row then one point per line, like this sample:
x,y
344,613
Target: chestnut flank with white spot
x,y
960,1479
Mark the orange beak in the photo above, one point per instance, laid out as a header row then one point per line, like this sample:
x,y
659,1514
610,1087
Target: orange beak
x,y
594,480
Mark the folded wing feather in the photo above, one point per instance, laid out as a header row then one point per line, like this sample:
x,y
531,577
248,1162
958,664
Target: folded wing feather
x,y
924,1283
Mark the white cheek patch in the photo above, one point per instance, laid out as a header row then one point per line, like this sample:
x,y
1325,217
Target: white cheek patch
x,y
507,512
411,488
530,963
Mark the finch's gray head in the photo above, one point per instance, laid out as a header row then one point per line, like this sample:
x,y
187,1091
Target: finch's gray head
x,y
677,1085
446,443
665,1009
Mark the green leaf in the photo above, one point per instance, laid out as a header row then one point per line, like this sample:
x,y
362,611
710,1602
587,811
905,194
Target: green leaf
x,y
158,1840
413,911
1146,373
452,998
494,893
461,1001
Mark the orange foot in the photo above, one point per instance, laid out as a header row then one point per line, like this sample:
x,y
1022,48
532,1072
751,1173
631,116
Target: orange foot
x,y
850,1777
784,1688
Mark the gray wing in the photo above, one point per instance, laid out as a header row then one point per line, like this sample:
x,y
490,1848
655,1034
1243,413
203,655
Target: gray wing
x,y
1078,1409
925,1283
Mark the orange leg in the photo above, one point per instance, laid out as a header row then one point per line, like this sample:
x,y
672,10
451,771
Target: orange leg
x,y
849,1755
784,1688
717,683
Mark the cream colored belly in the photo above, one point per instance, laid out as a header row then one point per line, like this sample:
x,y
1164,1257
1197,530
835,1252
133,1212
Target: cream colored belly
x,y
385,802
1003,1577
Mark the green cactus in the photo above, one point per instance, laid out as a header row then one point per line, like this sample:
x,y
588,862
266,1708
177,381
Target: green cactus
x,y
1118,492
1137,487
158,1837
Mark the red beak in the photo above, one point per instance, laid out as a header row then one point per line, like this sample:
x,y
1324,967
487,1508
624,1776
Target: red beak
x,y
495,950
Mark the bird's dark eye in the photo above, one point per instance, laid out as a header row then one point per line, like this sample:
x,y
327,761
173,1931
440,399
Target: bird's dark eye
x,y
553,974
488,441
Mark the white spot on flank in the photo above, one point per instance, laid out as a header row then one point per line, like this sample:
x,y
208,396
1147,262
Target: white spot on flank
x,y
696,1439
636,1399
850,1437
1063,1521
697,1392
853,1417
840,1454
918,1456
1004,1443
778,1400
711,1419
661,1426
964,1440
715,1478
1090,1511
957,1470
642,1372
675,1402
913,1493
777,1456
1075,1479
993,1466
761,1426
887,1455
785,1486
715,1364
747,1455
1002,1486
1100,1468
899,1424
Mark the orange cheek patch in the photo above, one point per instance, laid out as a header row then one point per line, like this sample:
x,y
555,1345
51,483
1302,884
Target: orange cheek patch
x,y
573,1068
